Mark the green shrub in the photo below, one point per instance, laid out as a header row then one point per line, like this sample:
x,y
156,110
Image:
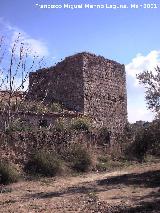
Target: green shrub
x,y
102,166
103,136
80,124
80,158
8,173
137,149
146,141
154,143
18,125
44,163
61,125
103,159
56,107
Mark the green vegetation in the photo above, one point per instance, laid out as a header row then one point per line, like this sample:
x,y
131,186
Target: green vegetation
x,y
61,125
8,173
79,157
43,163
30,106
103,136
67,143
106,163
146,141
80,124
150,80
39,107
56,107
18,125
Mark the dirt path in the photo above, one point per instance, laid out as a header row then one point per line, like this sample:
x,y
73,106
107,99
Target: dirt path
x,y
135,189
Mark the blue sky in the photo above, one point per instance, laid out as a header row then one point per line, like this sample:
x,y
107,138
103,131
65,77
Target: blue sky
x,y
129,36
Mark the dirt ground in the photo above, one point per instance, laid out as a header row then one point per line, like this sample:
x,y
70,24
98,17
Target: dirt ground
x,y
134,189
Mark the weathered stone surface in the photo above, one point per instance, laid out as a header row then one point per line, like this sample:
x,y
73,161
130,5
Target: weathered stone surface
x,y
88,84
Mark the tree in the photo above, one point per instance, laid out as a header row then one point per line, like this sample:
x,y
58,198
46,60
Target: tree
x,y
16,62
151,81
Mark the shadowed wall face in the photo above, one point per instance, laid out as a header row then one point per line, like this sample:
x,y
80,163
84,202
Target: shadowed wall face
x,y
62,83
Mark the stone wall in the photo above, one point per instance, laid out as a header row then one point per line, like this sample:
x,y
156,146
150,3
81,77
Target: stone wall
x,y
105,97
62,83
85,83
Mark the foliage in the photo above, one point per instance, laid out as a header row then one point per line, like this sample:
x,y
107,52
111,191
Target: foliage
x,y
44,163
61,125
151,81
8,173
16,62
79,157
80,124
18,125
139,146
31,106
146,140
101,167
108,163
154,131
56,107
104,135
103,159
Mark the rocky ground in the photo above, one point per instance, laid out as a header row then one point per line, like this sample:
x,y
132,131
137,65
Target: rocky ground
x,y
134,189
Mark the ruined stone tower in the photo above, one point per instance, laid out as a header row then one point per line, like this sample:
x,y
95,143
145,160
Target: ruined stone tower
x,y
85,83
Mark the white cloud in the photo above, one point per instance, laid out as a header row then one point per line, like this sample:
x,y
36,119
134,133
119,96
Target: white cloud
x,y
137,109
141,63
137,113
36,46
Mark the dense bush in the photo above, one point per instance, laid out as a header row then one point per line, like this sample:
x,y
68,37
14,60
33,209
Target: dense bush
x,y
137,149
44,163
56,107
146,140
154,142
18,125
8,173
80,124
61,125
79,158
104,136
